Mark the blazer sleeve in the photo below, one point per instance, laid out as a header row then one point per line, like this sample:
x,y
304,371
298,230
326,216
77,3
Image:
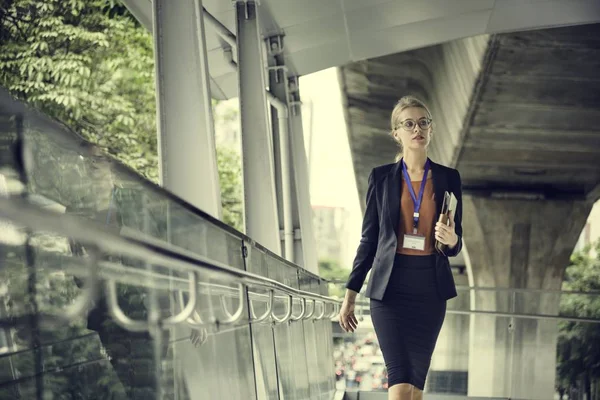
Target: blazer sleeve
x,y
457,189
368,242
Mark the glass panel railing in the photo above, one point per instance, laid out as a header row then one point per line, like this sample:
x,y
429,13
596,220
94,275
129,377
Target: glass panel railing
x,y
110,285
294,346
495,343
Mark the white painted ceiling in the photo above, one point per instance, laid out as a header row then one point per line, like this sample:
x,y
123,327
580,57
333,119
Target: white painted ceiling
x,y
326,33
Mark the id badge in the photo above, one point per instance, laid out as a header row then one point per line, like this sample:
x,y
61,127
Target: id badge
x,y
414,242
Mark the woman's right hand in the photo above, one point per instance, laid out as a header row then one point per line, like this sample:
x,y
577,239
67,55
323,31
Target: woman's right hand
x,y
348,320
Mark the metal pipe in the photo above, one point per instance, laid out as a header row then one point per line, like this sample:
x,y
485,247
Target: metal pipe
x,y
286,189
509,315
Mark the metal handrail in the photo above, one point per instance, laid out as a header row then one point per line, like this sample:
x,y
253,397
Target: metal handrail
x,y
155,254
362,305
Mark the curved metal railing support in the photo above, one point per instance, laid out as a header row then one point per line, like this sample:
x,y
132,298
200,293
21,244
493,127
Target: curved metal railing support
x,y
287,314
117,313
302,310
190,307
194,320
334,312
267,313
312,311
235,317
322,314
84,301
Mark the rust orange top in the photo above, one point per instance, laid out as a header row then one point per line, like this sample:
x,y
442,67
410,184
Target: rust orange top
x,y
426,217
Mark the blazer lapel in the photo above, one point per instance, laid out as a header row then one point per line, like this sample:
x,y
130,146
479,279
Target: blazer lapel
x,y
439,187
393,188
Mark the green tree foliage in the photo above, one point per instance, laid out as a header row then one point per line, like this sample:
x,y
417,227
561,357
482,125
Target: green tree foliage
x,y
230,178
89,64
578,342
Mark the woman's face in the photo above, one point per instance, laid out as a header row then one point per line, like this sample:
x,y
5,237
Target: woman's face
x,y
413,128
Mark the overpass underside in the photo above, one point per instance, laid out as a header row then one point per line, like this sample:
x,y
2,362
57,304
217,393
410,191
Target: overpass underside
x,y
518,115
178,305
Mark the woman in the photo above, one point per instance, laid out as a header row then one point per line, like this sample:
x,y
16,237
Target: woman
x,y
410,281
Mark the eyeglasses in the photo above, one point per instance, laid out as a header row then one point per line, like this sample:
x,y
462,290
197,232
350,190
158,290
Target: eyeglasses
x,y
410,124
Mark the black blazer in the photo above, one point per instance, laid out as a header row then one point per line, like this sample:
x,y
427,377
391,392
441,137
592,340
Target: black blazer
x,y
379,239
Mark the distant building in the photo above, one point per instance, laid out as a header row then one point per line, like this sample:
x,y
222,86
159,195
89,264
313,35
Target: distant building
x,y
331,229
227,124
591,231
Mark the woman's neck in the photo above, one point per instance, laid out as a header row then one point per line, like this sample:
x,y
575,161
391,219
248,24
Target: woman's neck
x,y
415,159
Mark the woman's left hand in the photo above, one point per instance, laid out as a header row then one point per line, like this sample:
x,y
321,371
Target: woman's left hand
x,y
445,233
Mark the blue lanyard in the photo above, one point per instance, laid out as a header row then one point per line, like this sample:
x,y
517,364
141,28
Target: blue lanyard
x,y
416,201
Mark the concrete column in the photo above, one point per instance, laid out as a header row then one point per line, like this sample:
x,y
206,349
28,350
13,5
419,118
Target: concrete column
x,y
301,184
186,147
517,244
262,223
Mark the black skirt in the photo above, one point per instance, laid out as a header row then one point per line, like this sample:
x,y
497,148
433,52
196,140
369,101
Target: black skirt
x,y
408,319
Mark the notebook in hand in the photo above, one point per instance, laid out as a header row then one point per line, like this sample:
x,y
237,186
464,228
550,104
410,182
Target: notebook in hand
x,y
448,210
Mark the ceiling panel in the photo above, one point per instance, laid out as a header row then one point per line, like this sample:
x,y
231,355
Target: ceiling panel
x,y
526,15
219,63
227,83
350,5
289,13
412,36
388,15
318,58
316,33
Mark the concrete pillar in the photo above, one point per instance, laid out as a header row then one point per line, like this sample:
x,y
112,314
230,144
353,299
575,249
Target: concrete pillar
x,y
186,146
262,223
301,184
517,244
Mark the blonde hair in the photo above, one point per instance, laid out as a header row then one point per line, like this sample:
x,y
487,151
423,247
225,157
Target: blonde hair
x,y
402,104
